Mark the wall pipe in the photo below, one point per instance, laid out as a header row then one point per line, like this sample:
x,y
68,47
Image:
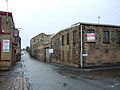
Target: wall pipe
x,y
81,46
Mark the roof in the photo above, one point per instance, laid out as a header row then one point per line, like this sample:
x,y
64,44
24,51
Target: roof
x,y
41,34
95,24
5,13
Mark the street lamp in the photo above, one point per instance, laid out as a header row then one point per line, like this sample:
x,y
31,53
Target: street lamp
x,y
98,19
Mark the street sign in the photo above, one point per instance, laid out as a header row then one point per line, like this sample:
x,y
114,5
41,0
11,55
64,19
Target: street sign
x,y
84,54
50,50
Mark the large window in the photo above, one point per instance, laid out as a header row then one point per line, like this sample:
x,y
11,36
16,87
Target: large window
x,y
118,37
106,38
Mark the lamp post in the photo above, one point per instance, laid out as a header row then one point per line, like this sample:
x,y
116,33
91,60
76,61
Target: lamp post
x,y
98,19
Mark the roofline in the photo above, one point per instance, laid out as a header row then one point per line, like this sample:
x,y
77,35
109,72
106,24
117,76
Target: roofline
x,y
5,13
40,34
84,23
94,24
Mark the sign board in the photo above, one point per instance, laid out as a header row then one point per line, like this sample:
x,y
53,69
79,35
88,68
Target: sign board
x,y
6,45
90,37
50,50
84,54
16,33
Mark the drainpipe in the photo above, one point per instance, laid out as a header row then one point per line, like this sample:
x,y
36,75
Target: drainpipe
x,y
81,46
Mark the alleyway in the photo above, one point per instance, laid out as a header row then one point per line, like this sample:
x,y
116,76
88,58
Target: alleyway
x,y
44,77
31,74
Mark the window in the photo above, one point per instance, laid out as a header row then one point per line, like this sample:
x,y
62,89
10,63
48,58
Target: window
x,y
37,40
74,37
106,38
34,40
0,24
62,39
41,36
118,36
68,39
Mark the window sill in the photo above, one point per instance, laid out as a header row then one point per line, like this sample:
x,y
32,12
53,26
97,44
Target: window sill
x,y
106,42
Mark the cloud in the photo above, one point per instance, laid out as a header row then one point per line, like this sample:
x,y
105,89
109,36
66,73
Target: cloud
x,y
50,16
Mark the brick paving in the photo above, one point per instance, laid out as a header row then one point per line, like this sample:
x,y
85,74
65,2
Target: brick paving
x,y
14,79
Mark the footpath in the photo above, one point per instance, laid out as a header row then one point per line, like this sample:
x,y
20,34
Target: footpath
x,y
14,79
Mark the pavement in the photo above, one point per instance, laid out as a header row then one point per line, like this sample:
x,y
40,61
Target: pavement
x,y
86,69
14,79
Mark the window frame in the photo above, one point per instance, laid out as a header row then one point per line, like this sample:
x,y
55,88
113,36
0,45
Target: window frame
x,y
68,40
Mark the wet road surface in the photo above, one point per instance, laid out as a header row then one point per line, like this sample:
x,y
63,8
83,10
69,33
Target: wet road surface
x,y
13,79
42,76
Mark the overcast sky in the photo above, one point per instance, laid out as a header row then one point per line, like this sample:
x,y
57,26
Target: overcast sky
x,y
51,16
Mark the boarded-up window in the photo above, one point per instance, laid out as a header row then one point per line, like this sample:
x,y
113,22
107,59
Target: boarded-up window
x,y
106,38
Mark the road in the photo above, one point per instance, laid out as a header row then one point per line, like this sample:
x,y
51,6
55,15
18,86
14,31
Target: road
x,y
44,76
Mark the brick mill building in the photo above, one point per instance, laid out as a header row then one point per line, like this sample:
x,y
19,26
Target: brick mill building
x,y
86,45
39,46
8,42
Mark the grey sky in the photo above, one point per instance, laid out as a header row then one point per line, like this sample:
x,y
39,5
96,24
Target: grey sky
x,y
50,16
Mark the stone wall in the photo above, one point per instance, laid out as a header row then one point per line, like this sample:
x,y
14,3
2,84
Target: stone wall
x,y
100,53
100,44
67,49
